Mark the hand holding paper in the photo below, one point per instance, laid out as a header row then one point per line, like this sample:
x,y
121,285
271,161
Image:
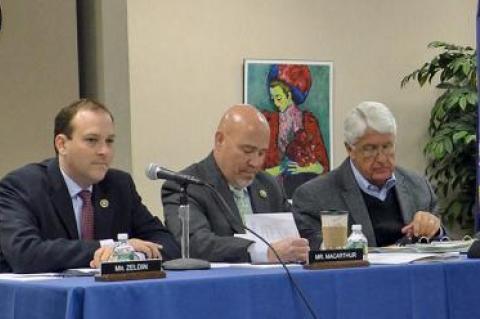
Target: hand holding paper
x,y
290,249
280,230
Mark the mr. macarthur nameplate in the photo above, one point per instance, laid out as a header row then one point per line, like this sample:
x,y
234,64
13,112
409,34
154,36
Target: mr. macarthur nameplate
x,y
131,270
338,258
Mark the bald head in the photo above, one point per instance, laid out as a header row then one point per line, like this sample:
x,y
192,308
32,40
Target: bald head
x,y
241,142
242,117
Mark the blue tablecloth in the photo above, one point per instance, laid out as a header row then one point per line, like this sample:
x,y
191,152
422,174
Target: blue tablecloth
x,y
418,291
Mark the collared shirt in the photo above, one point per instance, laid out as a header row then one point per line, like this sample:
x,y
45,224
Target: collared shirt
x,y
369,188
380,193
74,189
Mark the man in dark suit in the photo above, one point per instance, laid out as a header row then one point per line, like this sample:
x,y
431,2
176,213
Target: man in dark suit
x,y
234,168
388,201
46,224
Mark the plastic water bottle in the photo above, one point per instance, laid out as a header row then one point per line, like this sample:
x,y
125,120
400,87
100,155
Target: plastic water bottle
x,y
123,250
357,240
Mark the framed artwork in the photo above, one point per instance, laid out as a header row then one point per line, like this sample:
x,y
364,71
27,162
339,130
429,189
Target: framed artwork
x,y
296,98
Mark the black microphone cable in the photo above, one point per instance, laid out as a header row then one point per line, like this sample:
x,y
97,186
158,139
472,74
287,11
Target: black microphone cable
x,y
290,277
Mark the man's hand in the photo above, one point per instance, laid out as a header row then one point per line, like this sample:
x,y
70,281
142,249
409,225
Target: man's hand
x,y
423,224
101,254
151,250
290,249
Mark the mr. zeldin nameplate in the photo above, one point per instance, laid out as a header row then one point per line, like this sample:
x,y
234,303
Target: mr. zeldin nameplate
x,y
131,270
335,258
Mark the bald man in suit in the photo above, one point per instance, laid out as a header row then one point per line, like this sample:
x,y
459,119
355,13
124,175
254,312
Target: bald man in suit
x,y
234,168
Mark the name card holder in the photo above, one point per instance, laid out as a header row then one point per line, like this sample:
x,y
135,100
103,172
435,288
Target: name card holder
x,y
131,270
337,258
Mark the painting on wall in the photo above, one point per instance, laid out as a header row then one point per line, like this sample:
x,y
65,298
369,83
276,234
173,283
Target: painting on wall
x,y
296,98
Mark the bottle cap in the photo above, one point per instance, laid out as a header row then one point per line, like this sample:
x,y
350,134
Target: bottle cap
x,y
122,236
356,227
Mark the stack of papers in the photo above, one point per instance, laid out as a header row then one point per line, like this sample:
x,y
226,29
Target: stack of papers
x,y
406,258
433,247
253,266
434,251
30,277
444,246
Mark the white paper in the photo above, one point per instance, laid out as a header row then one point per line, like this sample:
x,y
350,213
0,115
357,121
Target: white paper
x,y
266,266
272,227
30,277
79,272
405,258
248,265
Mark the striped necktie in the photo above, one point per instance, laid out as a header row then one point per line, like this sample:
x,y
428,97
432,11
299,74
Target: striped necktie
x,y
242,200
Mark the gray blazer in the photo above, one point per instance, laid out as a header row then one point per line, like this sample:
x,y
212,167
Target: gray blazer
x,y
211,227
339,190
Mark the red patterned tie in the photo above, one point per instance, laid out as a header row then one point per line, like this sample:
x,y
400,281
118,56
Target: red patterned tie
x,y
87,214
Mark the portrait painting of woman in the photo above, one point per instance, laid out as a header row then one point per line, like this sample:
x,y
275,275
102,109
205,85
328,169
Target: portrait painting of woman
x,y
297,151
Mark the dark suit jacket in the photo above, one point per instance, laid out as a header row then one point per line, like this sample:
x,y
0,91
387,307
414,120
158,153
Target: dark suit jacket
x,y
338,190
211,227
38,230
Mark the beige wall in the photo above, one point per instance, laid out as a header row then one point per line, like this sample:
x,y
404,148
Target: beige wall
x,y
186,65
103,50
185,68
38,75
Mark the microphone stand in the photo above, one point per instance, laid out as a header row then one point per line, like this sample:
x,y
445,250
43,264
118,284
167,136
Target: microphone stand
x,y
185,263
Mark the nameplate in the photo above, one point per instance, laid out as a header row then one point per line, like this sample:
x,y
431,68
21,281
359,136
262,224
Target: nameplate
x,y
131,270
335,258
335,255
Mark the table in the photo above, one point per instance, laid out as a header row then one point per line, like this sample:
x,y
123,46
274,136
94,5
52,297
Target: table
x,y
436,290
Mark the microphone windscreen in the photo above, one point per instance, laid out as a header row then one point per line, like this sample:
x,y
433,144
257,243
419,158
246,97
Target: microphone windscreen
x,y
474,250
151,171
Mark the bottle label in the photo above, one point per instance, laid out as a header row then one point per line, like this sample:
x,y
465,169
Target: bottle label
x,y
123,252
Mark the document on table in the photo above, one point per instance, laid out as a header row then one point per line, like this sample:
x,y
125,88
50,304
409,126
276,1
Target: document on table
x,y
77,272
248,265
406,258
30,277
80,272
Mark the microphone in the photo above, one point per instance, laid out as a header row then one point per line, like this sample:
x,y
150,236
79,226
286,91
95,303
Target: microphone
x,y
154,171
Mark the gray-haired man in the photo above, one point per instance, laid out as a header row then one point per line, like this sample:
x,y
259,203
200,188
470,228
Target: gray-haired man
x,y
388,201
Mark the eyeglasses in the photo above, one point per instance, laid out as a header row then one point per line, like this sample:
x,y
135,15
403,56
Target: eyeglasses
x,y
370,150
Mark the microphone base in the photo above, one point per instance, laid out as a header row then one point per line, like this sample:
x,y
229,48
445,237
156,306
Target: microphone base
x,y
186,264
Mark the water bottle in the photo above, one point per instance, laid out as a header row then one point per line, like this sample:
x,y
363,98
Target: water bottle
x,y
123,251
357,240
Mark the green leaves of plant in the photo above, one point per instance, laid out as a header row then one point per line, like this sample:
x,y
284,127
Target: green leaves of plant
x,y
451,149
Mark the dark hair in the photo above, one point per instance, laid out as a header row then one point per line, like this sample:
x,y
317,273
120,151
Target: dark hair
x,y
63,120
285,88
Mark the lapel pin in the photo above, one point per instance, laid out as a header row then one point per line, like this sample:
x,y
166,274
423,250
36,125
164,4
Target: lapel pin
x,y
262,193
104,203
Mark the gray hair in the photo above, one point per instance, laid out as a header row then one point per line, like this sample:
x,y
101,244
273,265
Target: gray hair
x,y
368,114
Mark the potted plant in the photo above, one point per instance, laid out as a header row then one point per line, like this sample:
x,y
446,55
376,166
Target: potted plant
x,y
451,149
